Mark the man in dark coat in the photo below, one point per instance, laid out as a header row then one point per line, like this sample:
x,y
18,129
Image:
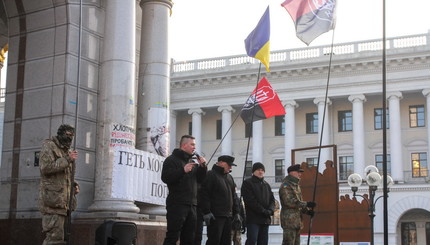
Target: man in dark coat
x,y
259,206
219,202
181,174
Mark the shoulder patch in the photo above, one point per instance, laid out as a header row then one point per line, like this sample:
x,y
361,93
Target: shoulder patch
x,y
285,185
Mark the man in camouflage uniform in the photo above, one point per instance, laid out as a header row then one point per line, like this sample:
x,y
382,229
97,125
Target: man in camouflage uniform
x,y
56,160
293,206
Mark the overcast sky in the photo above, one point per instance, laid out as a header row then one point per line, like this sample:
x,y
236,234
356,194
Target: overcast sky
x,y
207,28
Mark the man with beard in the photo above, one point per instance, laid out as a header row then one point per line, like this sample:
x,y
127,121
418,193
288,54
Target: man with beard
x,y
181,174
56,162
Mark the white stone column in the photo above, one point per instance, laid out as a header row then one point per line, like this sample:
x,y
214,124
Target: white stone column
x,y
325,152
154,78
426,93
116,106
226,111
172,140
290,130
358,132
196,114
395,136
257,141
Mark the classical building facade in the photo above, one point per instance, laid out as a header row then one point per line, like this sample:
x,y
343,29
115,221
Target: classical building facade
x,y
207,97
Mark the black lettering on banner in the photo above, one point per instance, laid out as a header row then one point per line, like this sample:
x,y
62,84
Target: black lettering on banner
x,y
131,159
159,190
122,128
154,164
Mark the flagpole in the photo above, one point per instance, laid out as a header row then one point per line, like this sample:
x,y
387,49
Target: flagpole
x,y
384,131
321,135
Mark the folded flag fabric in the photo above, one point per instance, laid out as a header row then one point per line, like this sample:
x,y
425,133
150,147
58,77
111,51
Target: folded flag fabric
x,y
262,103
257,44
312,18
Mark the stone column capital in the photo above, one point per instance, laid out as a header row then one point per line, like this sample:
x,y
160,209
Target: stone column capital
x,y
426,92
226,108
196,111
320,100
290,104
169,3
357,98
394,95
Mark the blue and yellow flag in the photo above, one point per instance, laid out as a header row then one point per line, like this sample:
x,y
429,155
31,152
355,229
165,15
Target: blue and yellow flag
x,y
257,43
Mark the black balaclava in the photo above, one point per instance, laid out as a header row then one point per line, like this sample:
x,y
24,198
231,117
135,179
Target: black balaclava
x,y
63,138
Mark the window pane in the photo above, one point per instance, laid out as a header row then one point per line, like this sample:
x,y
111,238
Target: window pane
x,y
344,121
416,116
408,233
279,170
312,161
346,167
218,129
377,114
248,130
379,162
279,126
419,164
248,168
312,123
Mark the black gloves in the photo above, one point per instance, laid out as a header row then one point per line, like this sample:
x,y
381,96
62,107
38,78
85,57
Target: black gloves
x,y
208,217
311,204
267,212
310,213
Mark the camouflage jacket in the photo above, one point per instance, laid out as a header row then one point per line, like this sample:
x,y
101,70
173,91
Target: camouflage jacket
x,y
55,182
292,203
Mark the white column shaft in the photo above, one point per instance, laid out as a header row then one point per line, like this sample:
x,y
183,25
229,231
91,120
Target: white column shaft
x,y
426,93
395,136
325,152
257,141
358,132
116,98
290,130
226,145
197,126
154,78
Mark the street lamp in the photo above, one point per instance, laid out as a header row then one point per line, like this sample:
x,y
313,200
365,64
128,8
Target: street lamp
x,y
373,179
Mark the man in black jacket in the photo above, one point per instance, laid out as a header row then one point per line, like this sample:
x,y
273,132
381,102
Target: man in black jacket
x,y
181,175
259,206
219,202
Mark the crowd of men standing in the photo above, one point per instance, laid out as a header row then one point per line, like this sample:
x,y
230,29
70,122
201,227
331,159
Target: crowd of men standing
x,y
197,195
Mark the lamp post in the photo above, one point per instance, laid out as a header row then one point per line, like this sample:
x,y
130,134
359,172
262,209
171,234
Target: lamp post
x,y
373,179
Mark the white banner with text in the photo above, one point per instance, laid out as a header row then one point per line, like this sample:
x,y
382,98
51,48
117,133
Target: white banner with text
x,y
136,175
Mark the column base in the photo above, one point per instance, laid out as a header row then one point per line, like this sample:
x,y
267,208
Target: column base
x,y
114,205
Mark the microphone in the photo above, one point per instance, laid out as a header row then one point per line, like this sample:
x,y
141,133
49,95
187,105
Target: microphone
x,y
198,156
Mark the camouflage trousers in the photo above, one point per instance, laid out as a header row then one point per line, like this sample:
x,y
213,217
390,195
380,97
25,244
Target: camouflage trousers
x,y
236,237
291,237
53,225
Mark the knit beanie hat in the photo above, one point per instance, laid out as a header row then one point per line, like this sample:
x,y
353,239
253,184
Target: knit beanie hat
x,y
258,165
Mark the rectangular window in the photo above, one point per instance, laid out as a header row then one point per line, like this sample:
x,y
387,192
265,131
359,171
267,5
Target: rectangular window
x,y
248,130
248,168
377,115
416,116
346,167
408,233
312,123
419,164
279,126
279,170
190,128
312,161
344,121
218,129
379,163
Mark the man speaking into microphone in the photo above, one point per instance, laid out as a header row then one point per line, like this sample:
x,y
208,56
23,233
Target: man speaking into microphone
x,y
181,174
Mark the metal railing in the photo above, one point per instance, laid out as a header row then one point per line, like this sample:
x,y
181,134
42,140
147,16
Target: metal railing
x,y
303,53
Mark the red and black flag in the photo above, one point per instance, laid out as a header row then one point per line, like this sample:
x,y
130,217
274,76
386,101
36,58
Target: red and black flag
x,y
263,103
312,18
